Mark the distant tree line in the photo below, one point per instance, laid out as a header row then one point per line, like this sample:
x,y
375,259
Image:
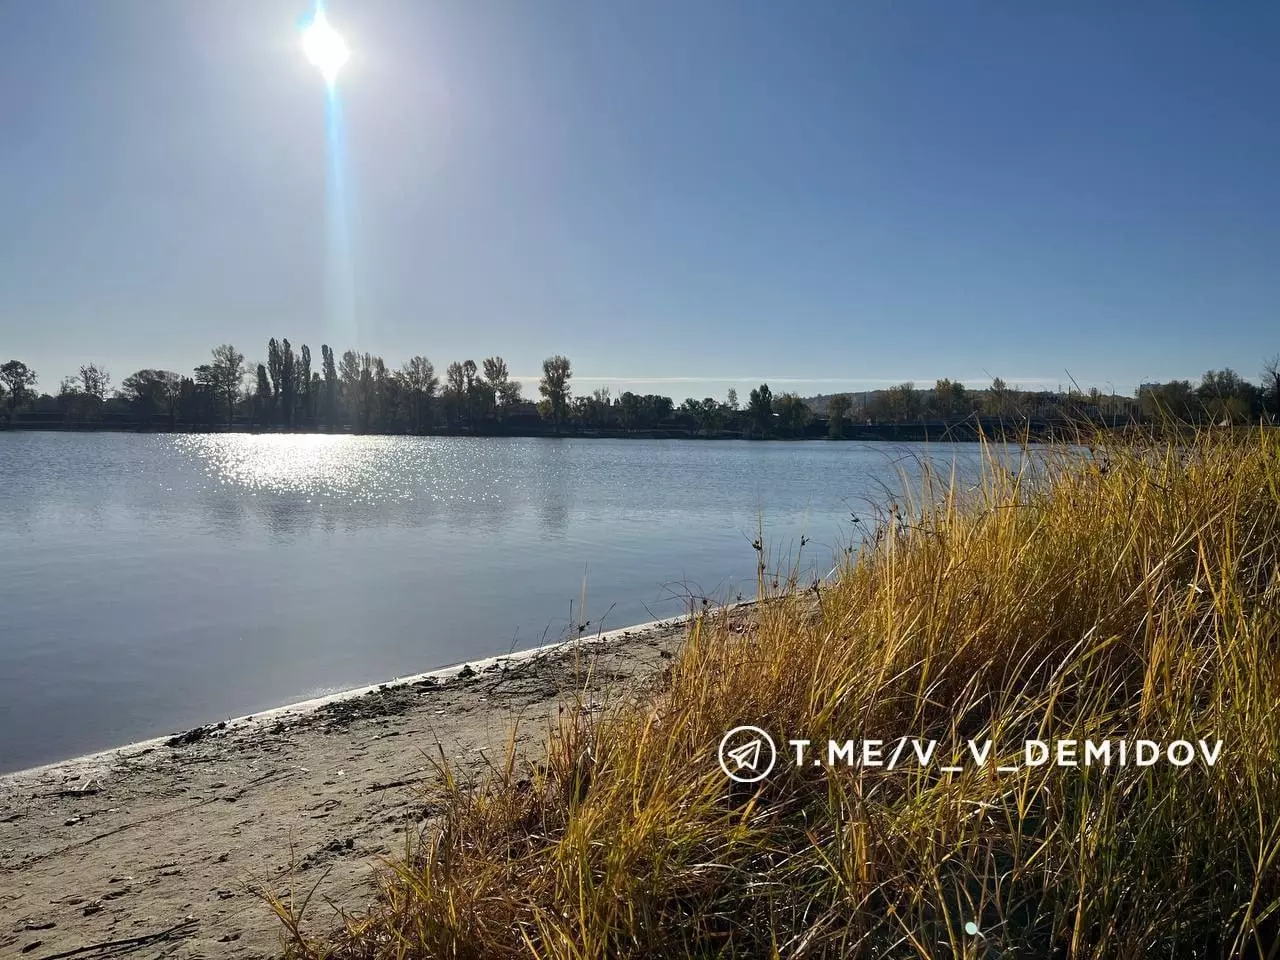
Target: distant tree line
x,y
1221,396
358,392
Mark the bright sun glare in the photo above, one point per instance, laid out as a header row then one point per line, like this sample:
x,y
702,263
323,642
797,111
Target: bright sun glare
x,y
325,47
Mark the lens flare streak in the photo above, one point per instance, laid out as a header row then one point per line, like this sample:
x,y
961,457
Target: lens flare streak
x,y
326,49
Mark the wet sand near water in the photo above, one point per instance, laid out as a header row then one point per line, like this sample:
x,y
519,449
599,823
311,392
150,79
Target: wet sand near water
x,y
155,849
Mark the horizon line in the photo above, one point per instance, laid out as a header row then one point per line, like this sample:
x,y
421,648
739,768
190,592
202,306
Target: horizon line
x,y
892,381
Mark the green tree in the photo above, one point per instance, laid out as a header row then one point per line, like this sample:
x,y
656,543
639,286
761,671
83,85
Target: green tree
x,y
455,394
288,395
509,395
629,409
306,399
395,404
554,388
352,393
374,381
150,393
938,403
690,412
495,372
262,397
599,408
71,400
19,380
142,391
904,402
838,408
1228,397
639,412
329,396
506,392
223,377
760,410
472,399
275,369
196,400
950,399
171,392
383,399
658,408
999,399
793,414
1175,400
877,406
418,377
710,415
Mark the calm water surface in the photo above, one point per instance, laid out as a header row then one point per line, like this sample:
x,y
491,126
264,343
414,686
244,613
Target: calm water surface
x,y
150,583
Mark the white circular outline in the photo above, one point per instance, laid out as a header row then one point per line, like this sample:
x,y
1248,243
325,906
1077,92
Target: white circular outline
x,y
773,749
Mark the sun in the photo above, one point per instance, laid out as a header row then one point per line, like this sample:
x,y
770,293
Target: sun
x,y
325,47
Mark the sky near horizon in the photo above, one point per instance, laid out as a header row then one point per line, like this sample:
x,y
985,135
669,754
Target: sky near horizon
x,y
681,197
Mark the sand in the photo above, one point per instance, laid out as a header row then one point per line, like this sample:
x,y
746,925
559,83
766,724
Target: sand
x,y
159,846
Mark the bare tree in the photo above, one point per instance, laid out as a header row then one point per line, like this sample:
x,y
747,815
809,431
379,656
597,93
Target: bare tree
x,y
224,376
94,381
1271,383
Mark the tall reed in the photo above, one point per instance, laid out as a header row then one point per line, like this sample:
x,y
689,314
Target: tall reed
x,y
1127,591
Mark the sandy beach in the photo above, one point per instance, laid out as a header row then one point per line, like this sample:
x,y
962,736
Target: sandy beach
x,y
156,849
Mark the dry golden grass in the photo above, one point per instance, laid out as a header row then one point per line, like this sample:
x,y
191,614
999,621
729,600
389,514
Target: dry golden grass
x,y
1130,592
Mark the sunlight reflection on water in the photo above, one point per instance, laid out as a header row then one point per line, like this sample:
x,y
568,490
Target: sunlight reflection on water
x,y
153,582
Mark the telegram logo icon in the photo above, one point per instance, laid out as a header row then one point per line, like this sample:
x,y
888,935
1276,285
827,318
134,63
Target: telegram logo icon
x,y
747,754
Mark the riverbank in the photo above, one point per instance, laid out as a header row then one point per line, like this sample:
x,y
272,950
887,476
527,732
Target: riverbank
x,y
171,836
966,430
1122,593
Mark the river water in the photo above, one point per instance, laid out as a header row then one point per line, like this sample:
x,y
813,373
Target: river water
x,y
151,583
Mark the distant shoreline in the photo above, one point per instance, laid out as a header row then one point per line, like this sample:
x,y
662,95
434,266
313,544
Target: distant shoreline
x,y
967,431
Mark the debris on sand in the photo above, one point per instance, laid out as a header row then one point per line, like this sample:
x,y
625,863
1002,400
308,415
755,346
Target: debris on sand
x,y
194,735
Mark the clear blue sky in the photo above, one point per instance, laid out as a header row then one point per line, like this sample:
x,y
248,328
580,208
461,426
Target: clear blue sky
x,y
839,192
